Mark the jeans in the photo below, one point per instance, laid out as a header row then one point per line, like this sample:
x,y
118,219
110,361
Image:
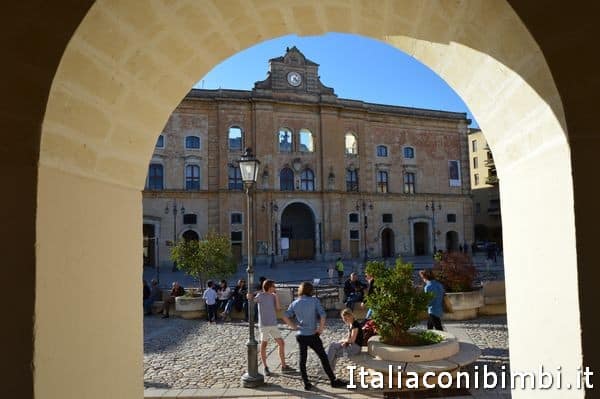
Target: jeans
x,y
434,322
352,299
336,350
148,305
211,311
313,342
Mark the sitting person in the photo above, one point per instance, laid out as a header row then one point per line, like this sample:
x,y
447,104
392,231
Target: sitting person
x,y
353,342
176,291
154,295
237,300
354,290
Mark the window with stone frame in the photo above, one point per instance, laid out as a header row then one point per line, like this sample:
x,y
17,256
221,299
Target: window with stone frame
x,y
306,141
155,177
235,138
451,217
382,181
387,218
352,180
353,218
285,140
307,180
286,179
351,144
409,152
192,177
160,142
236,218
409,183
235,178
382,151
192,142
190,218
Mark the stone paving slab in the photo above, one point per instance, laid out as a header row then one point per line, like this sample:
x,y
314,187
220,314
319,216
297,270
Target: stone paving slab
x,y
192,359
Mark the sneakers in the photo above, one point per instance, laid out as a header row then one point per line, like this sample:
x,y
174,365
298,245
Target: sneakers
x,y
337,383
267,372
165,316
287,369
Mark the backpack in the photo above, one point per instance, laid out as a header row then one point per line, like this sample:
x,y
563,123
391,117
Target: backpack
x,y
369,329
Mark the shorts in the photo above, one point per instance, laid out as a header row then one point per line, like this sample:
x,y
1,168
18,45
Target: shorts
x,y
266,331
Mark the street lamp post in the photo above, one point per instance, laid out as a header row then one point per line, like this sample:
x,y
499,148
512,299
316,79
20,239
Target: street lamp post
x,y
363,204
174,211
273,208
249,168
431,205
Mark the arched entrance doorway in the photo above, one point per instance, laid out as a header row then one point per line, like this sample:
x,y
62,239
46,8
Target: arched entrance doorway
x,y
298,232
452,241
421,238
387,243
190,235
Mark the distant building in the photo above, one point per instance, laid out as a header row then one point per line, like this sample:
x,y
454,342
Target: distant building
x,y
338,177
485,187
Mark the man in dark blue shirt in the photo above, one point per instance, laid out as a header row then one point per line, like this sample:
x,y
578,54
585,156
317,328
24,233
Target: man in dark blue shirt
x,y
435,308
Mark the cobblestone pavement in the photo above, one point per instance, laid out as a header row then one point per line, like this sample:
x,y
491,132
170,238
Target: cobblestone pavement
x,y
192,354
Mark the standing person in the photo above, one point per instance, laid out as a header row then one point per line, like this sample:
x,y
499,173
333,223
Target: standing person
x,y
352,343
435,308
210,297
330,272
339,266
268,305
306,310
155,295
370,288
223,295
176,290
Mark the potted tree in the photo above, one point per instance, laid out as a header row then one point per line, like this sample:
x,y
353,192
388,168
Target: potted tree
x,y
456,272
210,257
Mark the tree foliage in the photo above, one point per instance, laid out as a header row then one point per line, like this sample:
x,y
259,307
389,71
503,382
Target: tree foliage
x,y
210,257
396,302
455,271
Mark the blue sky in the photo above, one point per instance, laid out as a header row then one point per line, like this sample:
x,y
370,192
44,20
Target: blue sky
x,y
356,67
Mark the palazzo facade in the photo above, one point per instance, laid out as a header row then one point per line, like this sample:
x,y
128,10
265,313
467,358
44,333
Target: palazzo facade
x,y
338,177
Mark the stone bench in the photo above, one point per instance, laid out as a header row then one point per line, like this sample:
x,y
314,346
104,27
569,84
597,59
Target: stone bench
x,y
466,354
494,299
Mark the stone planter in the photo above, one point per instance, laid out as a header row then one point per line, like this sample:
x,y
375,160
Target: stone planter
x,y
464,304
448,347
190,307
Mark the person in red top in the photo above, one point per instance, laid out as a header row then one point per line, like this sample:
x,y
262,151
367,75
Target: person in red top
x,y
176,291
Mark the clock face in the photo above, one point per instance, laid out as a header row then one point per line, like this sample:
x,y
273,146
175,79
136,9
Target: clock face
x,y
294,78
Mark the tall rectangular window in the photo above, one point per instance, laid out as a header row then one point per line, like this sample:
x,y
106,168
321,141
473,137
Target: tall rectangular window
x,y
235,178
474,145
192,177
351,180
160,142
475,162
155,177
476,177
409,183
382,181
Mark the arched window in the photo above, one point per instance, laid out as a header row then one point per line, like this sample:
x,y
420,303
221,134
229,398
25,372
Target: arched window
x,y
382,181
235,138
155,177
286,180
192,142
192,177
285,140
351,180
409,152
351,144
307,180
382,151
306,141
235,178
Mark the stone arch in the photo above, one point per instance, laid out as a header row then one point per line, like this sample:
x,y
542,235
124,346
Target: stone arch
x,y
98,133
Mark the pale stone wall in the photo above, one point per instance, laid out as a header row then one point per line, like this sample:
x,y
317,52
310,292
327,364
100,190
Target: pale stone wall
x,y
127,67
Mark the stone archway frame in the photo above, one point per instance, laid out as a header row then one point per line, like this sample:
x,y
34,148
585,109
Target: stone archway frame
x,y
128,65
380,240
411,226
